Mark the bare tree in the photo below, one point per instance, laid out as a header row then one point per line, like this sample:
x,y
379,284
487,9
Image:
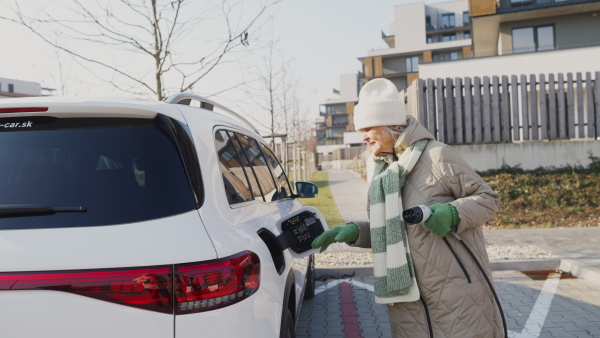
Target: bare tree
x,y
276,93
265,94
154,29
297,125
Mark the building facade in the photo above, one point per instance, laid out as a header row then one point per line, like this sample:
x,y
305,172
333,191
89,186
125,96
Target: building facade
x,y
502,27
420,34
338,114
10,88
516,37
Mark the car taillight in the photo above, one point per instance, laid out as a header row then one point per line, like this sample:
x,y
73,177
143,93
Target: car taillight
x,y
201,286
23,110
208,286
145,288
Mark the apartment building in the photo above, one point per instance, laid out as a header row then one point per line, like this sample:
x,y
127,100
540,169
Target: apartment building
x,y
420,33
514,37
522,26
10,88
338,115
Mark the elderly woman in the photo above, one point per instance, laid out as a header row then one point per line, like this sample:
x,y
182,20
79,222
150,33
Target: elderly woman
x,y
431,284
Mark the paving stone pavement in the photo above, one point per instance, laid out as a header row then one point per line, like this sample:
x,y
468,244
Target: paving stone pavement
x,y
533,306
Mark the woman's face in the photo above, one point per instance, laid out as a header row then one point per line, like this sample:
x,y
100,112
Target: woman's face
x,y
379,138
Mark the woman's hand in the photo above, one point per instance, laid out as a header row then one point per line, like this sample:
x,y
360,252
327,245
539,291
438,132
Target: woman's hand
x,y
346,233
443,217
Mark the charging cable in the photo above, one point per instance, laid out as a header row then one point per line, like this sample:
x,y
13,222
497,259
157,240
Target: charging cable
x,y
420,214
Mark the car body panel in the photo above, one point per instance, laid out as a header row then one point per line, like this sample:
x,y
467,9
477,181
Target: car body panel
x,y
112,246
234,228
58,314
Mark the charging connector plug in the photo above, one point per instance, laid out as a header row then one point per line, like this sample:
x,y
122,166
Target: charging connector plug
x,y
416,215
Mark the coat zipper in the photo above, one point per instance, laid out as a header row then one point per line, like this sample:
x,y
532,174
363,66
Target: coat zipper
x,y
427,317
458,260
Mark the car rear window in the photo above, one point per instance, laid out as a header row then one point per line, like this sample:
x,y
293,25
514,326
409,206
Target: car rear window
x,y
121,170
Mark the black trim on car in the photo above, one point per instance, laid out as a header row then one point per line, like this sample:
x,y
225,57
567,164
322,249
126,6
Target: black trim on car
x,y
287,297
182,136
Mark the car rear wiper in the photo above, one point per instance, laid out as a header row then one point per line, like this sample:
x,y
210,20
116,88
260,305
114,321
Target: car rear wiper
x,y
22,210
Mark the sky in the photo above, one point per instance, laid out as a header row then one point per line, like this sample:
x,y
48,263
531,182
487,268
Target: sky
x,y
322,39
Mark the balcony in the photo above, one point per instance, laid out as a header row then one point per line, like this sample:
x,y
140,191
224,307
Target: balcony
x,y
335,132
333,109
511,6
441,29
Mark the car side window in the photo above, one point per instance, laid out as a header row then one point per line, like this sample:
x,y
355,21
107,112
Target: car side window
x,y
237,186
258,165
283,185
261,169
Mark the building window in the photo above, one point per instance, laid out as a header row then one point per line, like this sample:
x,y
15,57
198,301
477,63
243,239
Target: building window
x,y
335,132
428,22
412,64
451,56
467,35
531,39
340,120
335,109
448,20
11,88
466,19
445,56
429,39
449,37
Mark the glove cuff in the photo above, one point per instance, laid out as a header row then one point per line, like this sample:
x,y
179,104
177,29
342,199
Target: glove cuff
x,y
455,217
353,232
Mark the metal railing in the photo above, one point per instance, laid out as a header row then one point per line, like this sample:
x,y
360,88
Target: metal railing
x,y
507,6
444,28
561,46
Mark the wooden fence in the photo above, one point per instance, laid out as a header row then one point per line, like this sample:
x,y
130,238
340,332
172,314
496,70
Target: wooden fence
x,y
519,108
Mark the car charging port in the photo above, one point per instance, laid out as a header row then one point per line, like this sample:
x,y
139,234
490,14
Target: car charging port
x,y
278,259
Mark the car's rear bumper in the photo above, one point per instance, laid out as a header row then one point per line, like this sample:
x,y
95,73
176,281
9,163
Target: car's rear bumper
x,y
258,316
59,314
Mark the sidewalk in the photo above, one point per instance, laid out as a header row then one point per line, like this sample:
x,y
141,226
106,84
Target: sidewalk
x,y
578,248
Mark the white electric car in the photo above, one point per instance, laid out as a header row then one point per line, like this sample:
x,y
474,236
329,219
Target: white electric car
x,y
134,218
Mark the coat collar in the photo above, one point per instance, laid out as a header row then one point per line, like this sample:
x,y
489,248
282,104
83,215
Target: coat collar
x,y
414,132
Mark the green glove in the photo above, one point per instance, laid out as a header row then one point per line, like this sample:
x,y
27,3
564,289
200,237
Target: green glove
x,y
346,233
443,218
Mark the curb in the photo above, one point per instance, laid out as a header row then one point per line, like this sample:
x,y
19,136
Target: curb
x,y
580,269
525,264
586,269
496,265
343,271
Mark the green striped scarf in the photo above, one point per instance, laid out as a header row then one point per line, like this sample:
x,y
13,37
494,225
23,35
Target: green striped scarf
x,y
393,269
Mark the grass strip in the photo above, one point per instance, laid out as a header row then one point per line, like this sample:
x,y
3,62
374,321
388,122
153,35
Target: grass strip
x,y
324,200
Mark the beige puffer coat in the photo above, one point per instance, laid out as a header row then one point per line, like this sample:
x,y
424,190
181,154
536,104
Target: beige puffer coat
x,y
450,305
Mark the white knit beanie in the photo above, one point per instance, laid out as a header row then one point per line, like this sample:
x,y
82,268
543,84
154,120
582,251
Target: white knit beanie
x,y
379,104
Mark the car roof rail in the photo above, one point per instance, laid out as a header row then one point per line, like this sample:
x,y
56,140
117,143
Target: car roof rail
x,y
186,99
